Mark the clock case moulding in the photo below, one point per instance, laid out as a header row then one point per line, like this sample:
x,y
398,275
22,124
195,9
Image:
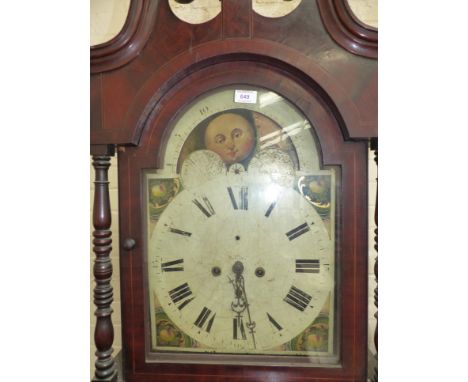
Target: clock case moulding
x,y
320,58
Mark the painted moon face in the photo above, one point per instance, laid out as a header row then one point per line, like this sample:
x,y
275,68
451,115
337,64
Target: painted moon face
x,y
230,136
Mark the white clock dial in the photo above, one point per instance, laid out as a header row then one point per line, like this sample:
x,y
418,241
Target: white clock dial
x,y
241,266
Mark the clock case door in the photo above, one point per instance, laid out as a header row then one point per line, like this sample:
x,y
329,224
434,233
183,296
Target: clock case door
x,y
351,228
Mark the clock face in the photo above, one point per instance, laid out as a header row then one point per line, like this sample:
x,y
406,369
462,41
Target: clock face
x,y
241,233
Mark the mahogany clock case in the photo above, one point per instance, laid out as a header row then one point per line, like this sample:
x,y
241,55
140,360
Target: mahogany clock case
x,y
320,59
351,228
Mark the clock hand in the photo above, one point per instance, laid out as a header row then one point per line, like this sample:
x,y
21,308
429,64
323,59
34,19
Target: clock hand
x,y
241,303
238,305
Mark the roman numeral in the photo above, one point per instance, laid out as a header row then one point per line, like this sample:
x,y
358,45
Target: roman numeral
x,y
308,266
206,207
169,266
203,316
180,294
274,323
272,205
180,232
238,328
243,198
297,298
298,231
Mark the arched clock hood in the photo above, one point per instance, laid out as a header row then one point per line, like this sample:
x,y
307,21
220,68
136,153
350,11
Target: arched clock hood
x,y
321,42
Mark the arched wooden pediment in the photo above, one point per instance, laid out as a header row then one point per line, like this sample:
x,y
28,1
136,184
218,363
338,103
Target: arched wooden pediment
x,y
133,70
346,30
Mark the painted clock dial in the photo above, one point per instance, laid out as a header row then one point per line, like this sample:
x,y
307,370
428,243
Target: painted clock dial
x,y
241,237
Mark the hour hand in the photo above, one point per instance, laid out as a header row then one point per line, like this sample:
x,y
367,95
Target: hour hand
x,y
239,303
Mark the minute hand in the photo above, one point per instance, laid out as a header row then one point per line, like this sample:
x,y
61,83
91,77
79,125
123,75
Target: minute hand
x,y
250,324
238,269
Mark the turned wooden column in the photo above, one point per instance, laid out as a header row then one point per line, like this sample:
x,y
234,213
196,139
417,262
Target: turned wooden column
x,y
102,246
374,147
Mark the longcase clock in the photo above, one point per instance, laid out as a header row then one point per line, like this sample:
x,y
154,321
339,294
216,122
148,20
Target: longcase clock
x,y
242,144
